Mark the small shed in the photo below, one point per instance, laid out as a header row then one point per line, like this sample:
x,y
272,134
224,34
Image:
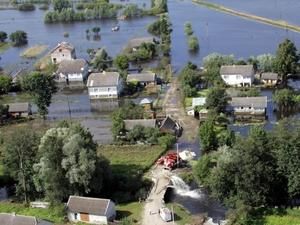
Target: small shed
x,y
169,125
269,79
146,103
19,109
143,79
91,210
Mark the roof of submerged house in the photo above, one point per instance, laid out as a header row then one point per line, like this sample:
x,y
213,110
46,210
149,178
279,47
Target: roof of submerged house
x,y
18,107
103,79
65,45
71,66
255,102
244,70
269,76
142,77
13,219
136,42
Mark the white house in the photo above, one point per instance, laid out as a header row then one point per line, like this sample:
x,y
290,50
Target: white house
x,y
74,70
105,85
90,210
13,219
238,75
62,52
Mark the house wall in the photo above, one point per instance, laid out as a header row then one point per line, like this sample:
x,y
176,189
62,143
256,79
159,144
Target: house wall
x,y
94,219
269,82
62,55
249,110
103,92
237,79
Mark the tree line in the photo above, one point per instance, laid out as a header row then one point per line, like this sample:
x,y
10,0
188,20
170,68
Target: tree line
x,y
17,38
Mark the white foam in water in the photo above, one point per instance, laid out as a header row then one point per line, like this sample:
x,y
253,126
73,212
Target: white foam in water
x,y
183,189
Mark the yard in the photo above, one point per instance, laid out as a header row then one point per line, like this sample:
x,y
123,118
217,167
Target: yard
x,y
289,217
34,51
15,97
188,100
4,46
182,216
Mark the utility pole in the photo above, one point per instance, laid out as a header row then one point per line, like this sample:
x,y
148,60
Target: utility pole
x,y
69,107
177,155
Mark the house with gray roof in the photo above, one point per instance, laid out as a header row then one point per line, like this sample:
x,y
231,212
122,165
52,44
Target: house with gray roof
x,y
90,210
13,219
238,75
22,109
74,70
144,78
63,51
248,107
105,85
171,126
135,43
130,124
269,78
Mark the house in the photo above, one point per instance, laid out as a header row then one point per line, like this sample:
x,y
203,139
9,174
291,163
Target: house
x,y
63,51
130,124
169,125
238,75
269,79
144,79
13,219
135,43
104,85
19,109
196,102
90,210
248,108
74,70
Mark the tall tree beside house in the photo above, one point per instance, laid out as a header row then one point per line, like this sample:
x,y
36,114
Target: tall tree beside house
x,y
208,136
217,99
286,60
121,62
69,163
18,38
286,100
19,157
101,60
3,36
41,87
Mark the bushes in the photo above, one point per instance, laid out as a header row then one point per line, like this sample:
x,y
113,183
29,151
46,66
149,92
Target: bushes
x,y
131,11
18,38
26,7
193,43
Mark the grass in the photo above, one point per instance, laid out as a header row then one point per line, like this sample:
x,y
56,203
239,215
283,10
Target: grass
x,y
19,97
4,46
132,211
129,158
53,214
182,216
34,51
290,217
188,101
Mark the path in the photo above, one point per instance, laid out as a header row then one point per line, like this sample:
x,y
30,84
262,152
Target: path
x,y
154,200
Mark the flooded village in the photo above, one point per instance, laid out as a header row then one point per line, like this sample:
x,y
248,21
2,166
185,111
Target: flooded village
x,y
149,112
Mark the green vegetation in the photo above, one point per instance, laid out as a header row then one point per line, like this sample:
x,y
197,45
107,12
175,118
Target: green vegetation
x,y
190,78
134,208
132,11
34,51
188,100
5,84
52,214
145,52
217,99
4,46
193,41
158,7
182,216
26,6
121,62
3,36
19,97
100,60
188,30
289,216
18,38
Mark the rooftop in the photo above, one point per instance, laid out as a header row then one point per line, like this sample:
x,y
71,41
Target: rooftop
x,y
12,219
64,45
244,70
200,101
141,77
18,107
95,206
103,79
136,42
71,66
269,76
145,101
130,124
255,102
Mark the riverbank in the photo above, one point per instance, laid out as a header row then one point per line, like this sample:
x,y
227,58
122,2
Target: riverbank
x,y
277,23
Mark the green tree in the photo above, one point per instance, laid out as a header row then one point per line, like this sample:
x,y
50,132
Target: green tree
x,y
101,60
3,112
286,60
18,38
202,170
167,141
3,36
265,62
19,156
208,136
5,84
121,62
193,43
69,163
216,99
189,78
132,10
188,30
286,100
59,5
41,87
96,30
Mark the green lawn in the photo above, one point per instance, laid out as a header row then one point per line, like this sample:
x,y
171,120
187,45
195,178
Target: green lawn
x,y
4,46
290,217
132,211
19,97
54,214
188,100
130,158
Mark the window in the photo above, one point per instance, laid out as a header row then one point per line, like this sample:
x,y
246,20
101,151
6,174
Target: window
x,y
75,216
60,50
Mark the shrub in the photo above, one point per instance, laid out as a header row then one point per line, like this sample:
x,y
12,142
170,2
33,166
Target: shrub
x,y
26,7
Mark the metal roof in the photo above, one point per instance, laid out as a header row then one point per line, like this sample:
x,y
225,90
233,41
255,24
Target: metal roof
x,y
255,102
244,70
103,79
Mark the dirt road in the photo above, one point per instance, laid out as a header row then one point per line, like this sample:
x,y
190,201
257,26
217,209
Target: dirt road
x,y
154,201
